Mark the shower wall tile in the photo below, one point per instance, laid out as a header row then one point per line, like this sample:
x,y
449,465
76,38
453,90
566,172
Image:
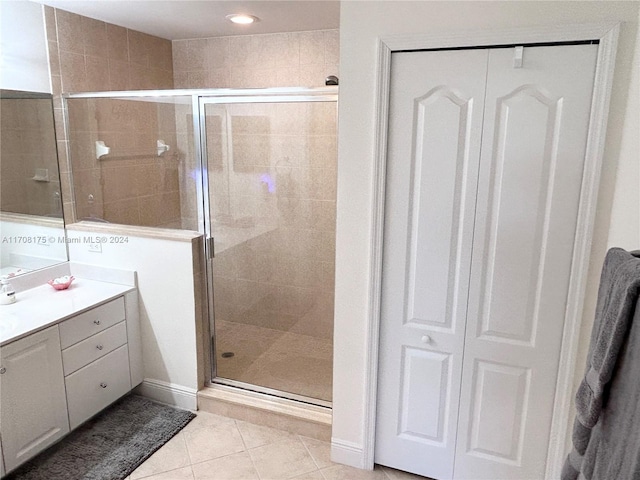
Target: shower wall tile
x,y
50,24
118,183
73,72
123,211
141,48
257,61
150,210
180,78
289,76
54,61
282,176
88,182
117,43
95,35
217,50
332,47
63,157
241,51
97,71
312,47
287,50
91,55
197,54
70,31
118,74
68,209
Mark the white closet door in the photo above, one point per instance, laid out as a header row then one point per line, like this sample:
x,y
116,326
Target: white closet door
x,y
434,147
533,147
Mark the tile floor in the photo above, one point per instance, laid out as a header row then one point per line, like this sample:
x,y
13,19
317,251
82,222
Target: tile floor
x,y
285,361
212,447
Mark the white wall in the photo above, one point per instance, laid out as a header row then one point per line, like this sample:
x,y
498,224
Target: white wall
x,y
165,270
361,24
24,61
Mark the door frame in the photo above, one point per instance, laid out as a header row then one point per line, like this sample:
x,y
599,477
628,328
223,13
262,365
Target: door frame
x,y
607,35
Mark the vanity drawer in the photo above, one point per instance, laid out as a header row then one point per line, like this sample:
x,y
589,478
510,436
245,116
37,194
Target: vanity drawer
x,y
97,385
89,323
94,347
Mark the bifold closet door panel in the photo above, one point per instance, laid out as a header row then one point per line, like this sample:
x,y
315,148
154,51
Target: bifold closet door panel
x,y
534,139
436,105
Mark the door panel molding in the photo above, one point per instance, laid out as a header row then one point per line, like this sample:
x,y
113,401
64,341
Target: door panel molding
x,y
532,238
505,417
435,392
607,35
433,109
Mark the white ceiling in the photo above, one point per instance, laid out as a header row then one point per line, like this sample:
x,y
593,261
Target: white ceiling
x,y
181,19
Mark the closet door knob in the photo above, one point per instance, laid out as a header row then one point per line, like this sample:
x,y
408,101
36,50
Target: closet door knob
x,y
97,322
3,370
99,347
103,385
426,339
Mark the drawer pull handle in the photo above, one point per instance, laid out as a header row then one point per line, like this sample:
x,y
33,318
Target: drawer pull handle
x,y
97,322
426,339
3,370
99,347
103,385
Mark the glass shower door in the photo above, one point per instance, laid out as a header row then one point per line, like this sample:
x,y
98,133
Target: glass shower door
x,y
271,169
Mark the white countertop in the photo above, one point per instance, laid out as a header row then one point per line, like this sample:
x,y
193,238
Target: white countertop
x,y
41,307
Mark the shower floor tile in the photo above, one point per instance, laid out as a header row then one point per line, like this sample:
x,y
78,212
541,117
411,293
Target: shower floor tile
x,y
275,359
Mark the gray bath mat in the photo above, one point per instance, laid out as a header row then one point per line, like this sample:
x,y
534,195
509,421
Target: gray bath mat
x,y
111,445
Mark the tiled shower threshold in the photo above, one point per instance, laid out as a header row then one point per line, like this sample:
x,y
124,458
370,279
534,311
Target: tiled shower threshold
x,y
262,409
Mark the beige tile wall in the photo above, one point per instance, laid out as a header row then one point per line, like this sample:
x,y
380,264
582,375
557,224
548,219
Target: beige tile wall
x,y
279,181
90,55
282,278
248,61
27,143
256,61
132,185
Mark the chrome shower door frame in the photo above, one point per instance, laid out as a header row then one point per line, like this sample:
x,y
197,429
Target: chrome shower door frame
x,y
224,96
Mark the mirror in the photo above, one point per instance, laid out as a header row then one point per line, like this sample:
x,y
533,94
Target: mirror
x,y
31,223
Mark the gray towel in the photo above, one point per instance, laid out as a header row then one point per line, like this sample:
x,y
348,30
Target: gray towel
x,y
617,299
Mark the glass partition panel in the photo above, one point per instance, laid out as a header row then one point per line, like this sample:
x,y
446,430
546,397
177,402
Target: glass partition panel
x,y
132,160
272,181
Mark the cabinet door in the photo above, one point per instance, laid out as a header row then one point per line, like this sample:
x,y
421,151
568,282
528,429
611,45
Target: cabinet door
x,y
435,120
34,408
533,149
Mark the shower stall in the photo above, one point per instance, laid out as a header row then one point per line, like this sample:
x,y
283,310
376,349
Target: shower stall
x,y
255,172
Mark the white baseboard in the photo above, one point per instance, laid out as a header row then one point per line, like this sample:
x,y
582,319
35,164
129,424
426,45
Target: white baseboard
x,y
347,453
168,393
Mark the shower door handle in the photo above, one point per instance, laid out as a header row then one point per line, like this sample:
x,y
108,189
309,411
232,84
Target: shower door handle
x,y
211,253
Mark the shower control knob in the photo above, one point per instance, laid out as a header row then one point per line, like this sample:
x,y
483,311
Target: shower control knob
x,y
426,339
103,385
3,370
99,347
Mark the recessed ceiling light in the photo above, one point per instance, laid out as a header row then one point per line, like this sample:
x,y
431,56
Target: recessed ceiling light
x,y
242,19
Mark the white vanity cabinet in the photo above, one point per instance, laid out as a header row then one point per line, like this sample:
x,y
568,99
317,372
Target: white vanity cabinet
x,y
96,360
34,405
68,369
